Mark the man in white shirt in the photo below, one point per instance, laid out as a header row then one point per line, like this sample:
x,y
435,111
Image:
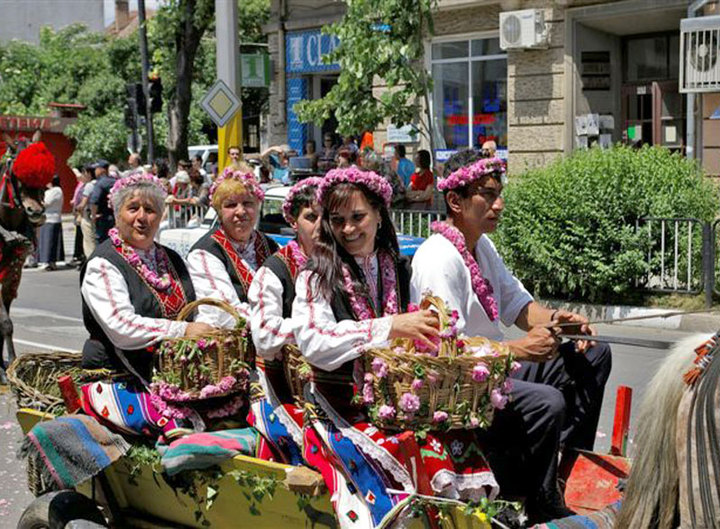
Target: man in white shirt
x,y
557,394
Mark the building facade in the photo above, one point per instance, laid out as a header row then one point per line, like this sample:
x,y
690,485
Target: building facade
x,y
607,72
22,19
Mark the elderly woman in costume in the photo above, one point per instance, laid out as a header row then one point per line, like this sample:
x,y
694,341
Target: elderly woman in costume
x,y
352,296
223,262
132,290
271,296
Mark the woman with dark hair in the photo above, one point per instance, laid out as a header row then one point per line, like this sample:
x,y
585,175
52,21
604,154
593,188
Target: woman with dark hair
x,y
51,248
271,297
351,297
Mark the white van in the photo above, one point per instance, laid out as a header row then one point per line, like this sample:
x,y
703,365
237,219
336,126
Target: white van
x,y
208,153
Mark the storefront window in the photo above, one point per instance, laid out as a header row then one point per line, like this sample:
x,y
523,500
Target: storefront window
x,y
470,93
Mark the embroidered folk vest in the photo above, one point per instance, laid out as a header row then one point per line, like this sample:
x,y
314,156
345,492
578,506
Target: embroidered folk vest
x,y
338,386
219,245
98,351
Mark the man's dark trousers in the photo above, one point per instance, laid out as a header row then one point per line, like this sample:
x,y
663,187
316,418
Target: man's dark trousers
x,y
553,405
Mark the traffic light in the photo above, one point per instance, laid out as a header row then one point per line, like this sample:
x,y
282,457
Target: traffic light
x,y
155,90
130,113
135,92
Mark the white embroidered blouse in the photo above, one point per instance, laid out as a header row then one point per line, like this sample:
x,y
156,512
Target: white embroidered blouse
x,y
211,279
106,293
270,331
325,342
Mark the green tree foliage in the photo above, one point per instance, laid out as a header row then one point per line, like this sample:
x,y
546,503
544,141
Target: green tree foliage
x,y
379,39
73,65
569,229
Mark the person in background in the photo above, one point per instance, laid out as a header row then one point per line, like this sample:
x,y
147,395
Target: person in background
x,y
237,163
50,242
134,162
489,148
422,182
183,165
99,207
343,158
181,191
277,159
78,255
401,165
87,222
161,169
350,145
326,159
199,189
197,165
311,153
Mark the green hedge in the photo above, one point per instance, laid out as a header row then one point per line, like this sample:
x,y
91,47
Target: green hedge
x,y
569,229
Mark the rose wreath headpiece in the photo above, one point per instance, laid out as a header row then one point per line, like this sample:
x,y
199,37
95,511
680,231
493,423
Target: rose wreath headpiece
x,y
468,174
133,180
247,179
313,181
352,175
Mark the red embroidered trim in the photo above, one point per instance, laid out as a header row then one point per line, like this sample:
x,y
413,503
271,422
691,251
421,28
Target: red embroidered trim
x,y
211,277
244,273
286,256
173,299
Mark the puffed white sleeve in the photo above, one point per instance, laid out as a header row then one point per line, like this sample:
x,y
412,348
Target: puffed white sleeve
x,y
437,270
270,331
325,342
105,291
211,279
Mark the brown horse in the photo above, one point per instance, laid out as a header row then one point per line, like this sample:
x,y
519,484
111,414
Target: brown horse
x,y
21,212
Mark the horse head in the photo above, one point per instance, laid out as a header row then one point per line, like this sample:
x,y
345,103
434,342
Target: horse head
x,y
22,186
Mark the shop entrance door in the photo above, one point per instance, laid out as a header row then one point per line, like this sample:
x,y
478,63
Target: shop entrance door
x,y
321,85
654,114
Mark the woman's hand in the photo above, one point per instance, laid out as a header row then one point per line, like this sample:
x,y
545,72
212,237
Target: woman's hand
x,y
539,345
195,328
416,326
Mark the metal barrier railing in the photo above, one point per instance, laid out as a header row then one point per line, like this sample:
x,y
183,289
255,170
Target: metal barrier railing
x,y
415,223
675,254
185,215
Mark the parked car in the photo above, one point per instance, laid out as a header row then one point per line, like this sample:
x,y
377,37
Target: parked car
x,y
270,221
208,153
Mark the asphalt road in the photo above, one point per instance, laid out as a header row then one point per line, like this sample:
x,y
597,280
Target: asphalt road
x,y
47,316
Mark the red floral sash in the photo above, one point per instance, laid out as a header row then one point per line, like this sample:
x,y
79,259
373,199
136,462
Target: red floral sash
x,y
173,299
262,251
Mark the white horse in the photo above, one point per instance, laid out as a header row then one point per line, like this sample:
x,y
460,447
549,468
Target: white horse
x,y
677,448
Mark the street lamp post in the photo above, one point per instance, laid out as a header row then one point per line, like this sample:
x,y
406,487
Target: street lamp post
x,y
145,82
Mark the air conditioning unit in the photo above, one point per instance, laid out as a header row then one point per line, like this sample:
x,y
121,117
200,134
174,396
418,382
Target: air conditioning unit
x,y
523,29
700,54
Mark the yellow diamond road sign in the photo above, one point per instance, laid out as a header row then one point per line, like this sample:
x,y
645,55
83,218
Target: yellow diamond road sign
x,y
220,103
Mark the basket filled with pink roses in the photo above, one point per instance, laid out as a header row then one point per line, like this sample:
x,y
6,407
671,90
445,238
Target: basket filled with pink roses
x,y
460,385
209,374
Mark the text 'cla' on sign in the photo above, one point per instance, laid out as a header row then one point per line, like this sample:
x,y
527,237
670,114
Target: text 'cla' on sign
x,y
255,70
220,103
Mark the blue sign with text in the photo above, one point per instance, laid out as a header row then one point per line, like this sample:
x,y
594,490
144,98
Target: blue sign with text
x,y
304,51
297,90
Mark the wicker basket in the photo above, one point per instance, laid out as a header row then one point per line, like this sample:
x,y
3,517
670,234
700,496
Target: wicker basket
x,y
297,372
191,364
443,383
33,378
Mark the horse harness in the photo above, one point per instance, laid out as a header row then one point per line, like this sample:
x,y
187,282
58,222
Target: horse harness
x,y
9,188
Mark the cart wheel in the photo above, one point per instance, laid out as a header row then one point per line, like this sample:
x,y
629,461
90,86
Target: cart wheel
x,y
55,510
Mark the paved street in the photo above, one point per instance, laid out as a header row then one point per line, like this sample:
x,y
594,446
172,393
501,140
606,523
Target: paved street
x,y
47,316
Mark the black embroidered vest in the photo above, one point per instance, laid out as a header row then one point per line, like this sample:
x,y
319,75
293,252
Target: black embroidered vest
x,y
239,276
338,386
98,351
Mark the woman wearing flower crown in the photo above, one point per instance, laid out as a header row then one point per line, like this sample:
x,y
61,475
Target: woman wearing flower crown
x,y
132,290
223,262
271,297
353,295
